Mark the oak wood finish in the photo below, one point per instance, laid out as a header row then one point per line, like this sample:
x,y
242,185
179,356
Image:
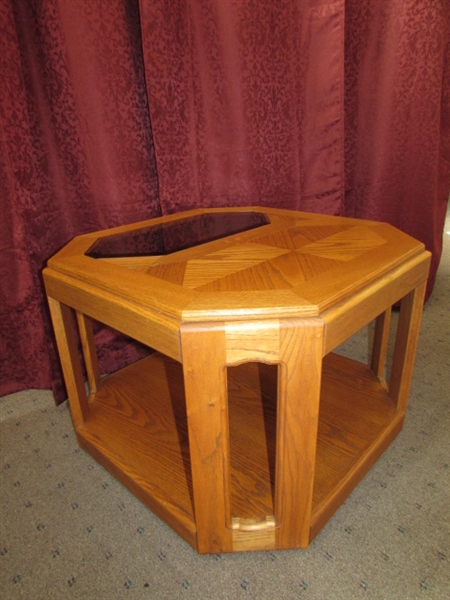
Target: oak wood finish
x,y
243,431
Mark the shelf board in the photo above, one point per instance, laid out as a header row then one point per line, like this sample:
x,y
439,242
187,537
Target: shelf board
x,y
137,429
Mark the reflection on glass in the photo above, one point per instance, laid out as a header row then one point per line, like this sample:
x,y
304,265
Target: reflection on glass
x,y
165,238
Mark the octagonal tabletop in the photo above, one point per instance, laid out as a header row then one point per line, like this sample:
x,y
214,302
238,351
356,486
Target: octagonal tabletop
x,y
276,263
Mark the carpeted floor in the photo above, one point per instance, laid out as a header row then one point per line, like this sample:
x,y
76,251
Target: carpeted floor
x,y
69,530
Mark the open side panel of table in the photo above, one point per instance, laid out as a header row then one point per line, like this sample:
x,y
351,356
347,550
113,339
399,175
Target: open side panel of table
x,y
135,420
137,429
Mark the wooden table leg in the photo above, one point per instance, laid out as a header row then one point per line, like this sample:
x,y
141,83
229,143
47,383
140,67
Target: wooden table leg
x,y
66,339
297,347
405,345
204,358
89,352
301,346
380,345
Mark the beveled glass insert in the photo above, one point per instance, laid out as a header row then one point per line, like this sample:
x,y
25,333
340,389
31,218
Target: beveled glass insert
x,y
187,232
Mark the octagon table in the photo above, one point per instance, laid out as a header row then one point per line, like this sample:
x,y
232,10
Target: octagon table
x,y
242,429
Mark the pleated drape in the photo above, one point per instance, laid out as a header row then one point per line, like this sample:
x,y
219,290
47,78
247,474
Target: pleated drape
x,y
112,112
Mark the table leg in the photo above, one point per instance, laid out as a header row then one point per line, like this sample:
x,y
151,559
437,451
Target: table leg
x,y
89,352
301,347
380,345
66,339
205,380
297,346
405,345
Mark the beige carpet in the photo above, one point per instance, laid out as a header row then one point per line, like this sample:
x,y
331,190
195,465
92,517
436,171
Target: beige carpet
x,y
69,530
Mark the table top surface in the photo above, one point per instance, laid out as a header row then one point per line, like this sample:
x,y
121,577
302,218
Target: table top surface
x,y
276,262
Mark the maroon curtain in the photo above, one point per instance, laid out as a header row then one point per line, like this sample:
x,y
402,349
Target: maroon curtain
x,y
116,111
76,155
246,102
247,106
397,145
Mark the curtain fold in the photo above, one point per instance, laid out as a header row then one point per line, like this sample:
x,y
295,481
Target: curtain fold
x,y
112,112
397,146
76,156
246,102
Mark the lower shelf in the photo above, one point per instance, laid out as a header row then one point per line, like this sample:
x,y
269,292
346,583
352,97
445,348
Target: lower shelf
x,y
137,429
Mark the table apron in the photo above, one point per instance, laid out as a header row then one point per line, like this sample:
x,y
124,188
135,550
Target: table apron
x,y
350,316
152,329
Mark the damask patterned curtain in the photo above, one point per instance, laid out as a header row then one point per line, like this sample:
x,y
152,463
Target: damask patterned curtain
x,y
116,111
268,102
247,102
76,155
397,120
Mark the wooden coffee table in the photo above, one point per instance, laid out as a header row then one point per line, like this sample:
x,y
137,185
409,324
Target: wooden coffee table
x,y
242,430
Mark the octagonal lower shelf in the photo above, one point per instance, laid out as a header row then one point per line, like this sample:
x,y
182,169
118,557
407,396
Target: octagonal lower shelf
x,y
137,429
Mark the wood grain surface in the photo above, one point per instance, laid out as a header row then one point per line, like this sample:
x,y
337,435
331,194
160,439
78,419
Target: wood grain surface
x,y
242,430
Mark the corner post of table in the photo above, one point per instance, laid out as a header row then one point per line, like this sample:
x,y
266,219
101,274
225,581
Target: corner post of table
x,y
67,343
408,330
205,379
89,352
380,344
301,349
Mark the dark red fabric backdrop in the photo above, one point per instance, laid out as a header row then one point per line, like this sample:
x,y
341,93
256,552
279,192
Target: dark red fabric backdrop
x,y
247,102
397,146
116,111
76,155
